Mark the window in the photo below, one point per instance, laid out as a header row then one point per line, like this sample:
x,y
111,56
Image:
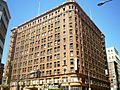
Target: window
x,y
64,39
35,55
37,48
71,38
49,44
77,52
49,58
32,44
43,40
26,46
35,61
64,54
55,56
51,25
64,9
49,38
47,72
57,42
54,64
71,45
24,63
50,32
72,69
30,62
70,31
42,52
42,73
50,65
64,15
65,70
58,48
71,61
64,26
58,63
43,34
40,67
58,56
26,57
57,36
58,71
112,57
109,57
21,52
43,46
77,46
70,18
29,69
35,67
48,26
70,25
57,23
50,72
55,49
49,51
64,62
43,66
64,33
32,38
71,53
63,20
31,56
37,36
76,39
42,59
47,65
55,72
64,47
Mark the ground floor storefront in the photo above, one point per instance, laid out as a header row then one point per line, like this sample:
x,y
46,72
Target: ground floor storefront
x,y
56,87
61,82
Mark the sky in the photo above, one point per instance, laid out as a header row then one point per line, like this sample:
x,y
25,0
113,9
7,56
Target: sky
x,y
106,17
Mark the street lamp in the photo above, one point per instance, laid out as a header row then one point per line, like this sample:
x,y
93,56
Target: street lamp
x,y
102,3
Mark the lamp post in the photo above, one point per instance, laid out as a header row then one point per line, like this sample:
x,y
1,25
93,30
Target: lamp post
x,y
102,3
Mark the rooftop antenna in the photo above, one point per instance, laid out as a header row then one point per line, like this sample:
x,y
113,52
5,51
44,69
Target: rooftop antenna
x,y
39,8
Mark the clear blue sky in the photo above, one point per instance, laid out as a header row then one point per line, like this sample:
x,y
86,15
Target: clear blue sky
x,y
107,17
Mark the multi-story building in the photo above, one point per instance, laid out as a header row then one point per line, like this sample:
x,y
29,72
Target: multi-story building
x,y
4,20
61,48
114,68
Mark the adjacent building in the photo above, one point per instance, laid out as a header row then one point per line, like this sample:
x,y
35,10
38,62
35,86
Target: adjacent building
x,y
4,20
114,67
61,48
